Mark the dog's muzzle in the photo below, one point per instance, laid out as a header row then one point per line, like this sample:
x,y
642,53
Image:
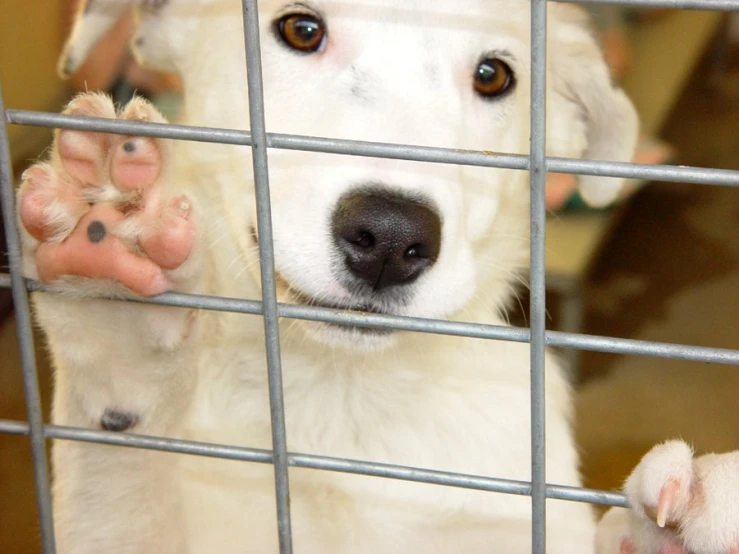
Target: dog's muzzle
x,y
385,241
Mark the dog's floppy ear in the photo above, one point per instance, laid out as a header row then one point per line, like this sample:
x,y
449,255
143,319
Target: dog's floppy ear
x,y
582,91
163,31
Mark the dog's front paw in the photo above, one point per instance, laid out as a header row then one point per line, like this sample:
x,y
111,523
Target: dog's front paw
x,y
98,210
683,505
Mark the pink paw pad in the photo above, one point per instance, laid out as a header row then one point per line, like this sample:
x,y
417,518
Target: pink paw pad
x,y
97,207
82,153
92,251
135,163
627,547
170,244
49,207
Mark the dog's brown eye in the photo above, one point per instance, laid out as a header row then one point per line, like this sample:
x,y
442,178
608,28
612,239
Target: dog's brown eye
x,y
493,77
302,32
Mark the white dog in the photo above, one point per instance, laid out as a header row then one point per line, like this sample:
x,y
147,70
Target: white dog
x,y
115,214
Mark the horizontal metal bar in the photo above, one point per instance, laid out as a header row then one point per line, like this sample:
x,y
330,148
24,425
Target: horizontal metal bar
x,y
325,463
677,174
557,339
709,5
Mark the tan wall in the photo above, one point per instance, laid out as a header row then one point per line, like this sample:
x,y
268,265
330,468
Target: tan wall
x,y
666,51
31,35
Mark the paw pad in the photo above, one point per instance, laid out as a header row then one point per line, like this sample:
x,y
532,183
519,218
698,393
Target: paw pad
x,y
97,208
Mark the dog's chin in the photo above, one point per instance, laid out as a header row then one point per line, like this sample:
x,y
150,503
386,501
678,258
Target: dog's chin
x,y
350,337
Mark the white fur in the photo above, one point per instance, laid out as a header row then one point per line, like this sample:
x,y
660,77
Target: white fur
x,y
703,517
392,71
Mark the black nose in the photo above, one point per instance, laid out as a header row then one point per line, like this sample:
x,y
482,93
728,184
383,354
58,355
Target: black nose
x,y
386,239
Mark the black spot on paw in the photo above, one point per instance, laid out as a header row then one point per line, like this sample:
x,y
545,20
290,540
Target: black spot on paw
x,y
129,146
96,231
116,420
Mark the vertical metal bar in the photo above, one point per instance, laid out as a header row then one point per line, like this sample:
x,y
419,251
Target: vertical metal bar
x,y
537,308
267,263
25,341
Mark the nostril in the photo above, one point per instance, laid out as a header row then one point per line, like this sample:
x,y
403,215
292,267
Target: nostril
x,y
417,250
364,239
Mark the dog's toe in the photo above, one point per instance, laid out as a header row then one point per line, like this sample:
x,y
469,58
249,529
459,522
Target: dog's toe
x,y
660,487
712,523
681,504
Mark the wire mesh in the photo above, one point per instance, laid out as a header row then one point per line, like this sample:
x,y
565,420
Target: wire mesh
x,y
258,138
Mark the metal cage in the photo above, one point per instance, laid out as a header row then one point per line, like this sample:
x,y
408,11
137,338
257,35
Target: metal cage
x,y
536,163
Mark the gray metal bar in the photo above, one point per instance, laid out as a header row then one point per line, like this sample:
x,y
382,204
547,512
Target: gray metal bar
x,y
615,345
25,341
677,174
437,326
537,306
324,463
267,265
710,5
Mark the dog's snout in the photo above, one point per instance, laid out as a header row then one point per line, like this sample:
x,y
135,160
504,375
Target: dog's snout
x,y
386,239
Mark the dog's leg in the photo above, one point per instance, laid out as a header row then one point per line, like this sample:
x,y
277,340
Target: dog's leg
x,y
98,218
681,504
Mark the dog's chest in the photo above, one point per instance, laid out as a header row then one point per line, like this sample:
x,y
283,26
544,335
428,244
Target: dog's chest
x,y
363,409
398,409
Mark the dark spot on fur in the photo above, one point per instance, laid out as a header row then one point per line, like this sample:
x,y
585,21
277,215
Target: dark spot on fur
x,y
359,92
361,86
154,6
116,420
69,66
129,146
432,72
96,231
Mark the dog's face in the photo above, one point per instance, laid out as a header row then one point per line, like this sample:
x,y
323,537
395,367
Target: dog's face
x,y
380,235
389,236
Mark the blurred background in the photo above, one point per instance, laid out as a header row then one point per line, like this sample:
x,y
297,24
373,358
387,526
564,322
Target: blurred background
x,y
662,264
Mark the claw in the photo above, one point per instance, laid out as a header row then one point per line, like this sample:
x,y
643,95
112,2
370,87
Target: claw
x,y
667,500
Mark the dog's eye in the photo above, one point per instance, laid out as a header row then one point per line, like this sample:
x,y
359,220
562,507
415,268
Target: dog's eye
x,y
493,77
302,32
